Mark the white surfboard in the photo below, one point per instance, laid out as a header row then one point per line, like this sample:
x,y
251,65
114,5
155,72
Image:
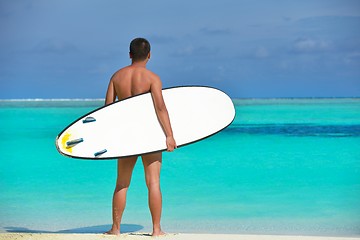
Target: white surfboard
x,y
130,127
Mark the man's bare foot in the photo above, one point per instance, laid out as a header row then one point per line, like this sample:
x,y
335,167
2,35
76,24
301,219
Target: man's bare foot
x,y
157,233
113,232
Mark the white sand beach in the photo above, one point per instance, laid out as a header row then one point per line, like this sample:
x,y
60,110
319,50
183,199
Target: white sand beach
x,y
144,236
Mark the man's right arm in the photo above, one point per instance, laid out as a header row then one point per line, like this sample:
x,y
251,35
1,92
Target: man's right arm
x,y
110,93
162,113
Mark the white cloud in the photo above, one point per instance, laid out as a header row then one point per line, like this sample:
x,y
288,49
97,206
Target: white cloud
x,y
353,58
311,45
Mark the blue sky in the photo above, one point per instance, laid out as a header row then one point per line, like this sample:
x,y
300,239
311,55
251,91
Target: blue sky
x,y
248,48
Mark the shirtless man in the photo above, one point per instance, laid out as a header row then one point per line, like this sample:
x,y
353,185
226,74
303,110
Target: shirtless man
x,y
129,81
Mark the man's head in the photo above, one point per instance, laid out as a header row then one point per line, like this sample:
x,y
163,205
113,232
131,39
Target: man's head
x,y
139,49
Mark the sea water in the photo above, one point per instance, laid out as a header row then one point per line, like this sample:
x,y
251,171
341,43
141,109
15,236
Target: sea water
x,y
284,166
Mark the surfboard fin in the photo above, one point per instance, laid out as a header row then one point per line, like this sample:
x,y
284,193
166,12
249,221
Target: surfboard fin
x,y
72,143
100,152
89,119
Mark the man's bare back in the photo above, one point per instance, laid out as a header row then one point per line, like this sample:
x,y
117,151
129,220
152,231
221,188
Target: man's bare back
x,y
127,82
133,80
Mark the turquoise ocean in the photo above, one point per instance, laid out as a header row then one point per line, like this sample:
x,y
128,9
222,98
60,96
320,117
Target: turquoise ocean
x,y
284,166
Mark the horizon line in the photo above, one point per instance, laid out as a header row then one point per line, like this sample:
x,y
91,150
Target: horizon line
x,y
102,99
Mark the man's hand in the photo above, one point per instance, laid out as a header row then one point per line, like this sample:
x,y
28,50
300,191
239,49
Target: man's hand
x,y
170,143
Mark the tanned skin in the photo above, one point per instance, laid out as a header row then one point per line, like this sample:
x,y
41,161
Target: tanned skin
x,y
129,81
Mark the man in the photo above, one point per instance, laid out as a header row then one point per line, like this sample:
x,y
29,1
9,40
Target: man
x,y
126,82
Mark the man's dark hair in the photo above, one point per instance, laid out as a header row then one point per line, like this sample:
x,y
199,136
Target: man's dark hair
x,y
139,49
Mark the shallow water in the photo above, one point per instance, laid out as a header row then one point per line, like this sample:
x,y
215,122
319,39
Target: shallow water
x,y
284,166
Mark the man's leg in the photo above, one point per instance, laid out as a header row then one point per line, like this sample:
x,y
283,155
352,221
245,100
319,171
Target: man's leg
x,y
124,172
152,166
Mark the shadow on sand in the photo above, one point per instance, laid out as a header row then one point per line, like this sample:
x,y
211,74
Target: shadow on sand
x,y
125,228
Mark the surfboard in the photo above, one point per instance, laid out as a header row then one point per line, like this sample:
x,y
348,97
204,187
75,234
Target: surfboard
x,y
130,127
